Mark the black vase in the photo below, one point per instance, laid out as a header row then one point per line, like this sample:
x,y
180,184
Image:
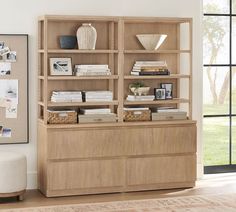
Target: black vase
x,y
68,41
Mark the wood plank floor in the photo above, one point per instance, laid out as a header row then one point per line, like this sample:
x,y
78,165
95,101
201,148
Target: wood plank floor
x,y
210,184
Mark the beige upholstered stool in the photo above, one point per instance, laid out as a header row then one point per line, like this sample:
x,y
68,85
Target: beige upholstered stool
x,y
13,176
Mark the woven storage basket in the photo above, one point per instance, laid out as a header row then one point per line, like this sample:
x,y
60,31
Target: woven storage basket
x,y
137,115
62,117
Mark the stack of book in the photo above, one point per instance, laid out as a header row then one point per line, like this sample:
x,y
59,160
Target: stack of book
x,y
98,96
66,96
140,98
92,70
96,115
143,68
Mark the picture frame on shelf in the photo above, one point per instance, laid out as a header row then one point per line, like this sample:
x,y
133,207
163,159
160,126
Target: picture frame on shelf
x,y
60,67
160,93
169,89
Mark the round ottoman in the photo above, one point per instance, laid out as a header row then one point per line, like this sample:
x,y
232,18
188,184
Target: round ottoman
x,y
13,177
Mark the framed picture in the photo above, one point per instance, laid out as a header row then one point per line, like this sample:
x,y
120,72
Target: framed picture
x,y
160,93
169,89
60,66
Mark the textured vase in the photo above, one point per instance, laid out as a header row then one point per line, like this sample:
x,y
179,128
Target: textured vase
x,y
86,36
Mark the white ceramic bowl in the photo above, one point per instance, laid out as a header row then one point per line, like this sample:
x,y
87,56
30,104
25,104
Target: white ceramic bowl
x,y
140,91
151,41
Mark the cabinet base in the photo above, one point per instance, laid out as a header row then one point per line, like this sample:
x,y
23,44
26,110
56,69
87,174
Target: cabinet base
x,y
74,192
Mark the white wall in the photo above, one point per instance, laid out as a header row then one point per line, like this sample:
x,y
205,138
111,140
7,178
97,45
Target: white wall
x,y
21,17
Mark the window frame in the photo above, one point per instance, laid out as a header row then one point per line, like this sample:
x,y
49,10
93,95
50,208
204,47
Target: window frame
x,y
228,167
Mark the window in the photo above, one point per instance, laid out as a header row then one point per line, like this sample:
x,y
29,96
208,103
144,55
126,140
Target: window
x,y
219,85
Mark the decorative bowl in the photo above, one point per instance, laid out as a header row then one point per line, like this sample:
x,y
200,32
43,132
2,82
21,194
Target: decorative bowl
x,y
151,41
141,91
68,41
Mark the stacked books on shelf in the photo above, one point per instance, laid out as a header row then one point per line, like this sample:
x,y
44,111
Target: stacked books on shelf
x,y
143,68
96,115
92,70
66,96
140,98
168,113
98,96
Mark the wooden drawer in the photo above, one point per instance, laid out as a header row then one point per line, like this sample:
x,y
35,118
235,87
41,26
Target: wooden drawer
x,y
166,140
85,174
121,142
157,170
84,144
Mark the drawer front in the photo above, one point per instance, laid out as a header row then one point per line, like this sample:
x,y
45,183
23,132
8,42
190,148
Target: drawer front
x,y
157,170
85,174
161,140
84,144
121,142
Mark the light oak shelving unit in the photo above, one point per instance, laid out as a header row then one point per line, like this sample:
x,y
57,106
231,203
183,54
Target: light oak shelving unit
x,y
93,158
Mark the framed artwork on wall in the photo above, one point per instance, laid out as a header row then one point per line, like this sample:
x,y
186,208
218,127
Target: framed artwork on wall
x,y
14,92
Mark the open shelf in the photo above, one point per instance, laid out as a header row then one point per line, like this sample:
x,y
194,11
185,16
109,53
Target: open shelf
x,y
171,76
83,78
156,102
116,124
77,51
74,104
156,51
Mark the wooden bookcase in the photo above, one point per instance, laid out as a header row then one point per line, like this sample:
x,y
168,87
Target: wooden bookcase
x,y
123,156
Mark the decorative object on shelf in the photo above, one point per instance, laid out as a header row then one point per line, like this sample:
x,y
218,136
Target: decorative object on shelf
x,y
169,89
86,36
151,41
168,114
60,66
92,70
68,41
138,88
62,116
96,118
14,98
160,93
137,114
142,68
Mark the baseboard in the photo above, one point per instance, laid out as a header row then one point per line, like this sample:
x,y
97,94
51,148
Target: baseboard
x,y
32,180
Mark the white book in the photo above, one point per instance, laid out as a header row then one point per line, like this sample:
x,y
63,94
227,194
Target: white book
x,y
141,97
96,111
66,92
105,66
152,62
91,70
98,100
93,74
136,108
135,73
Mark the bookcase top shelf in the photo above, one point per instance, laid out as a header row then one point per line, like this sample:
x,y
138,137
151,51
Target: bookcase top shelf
x,y
126,19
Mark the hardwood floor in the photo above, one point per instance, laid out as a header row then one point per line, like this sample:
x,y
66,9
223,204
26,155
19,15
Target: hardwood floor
x,y
210,184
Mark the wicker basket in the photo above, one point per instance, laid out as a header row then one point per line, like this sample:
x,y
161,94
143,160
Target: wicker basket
x,y
62,117
137,115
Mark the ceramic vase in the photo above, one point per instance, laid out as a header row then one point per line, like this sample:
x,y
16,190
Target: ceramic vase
x,y
86,36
